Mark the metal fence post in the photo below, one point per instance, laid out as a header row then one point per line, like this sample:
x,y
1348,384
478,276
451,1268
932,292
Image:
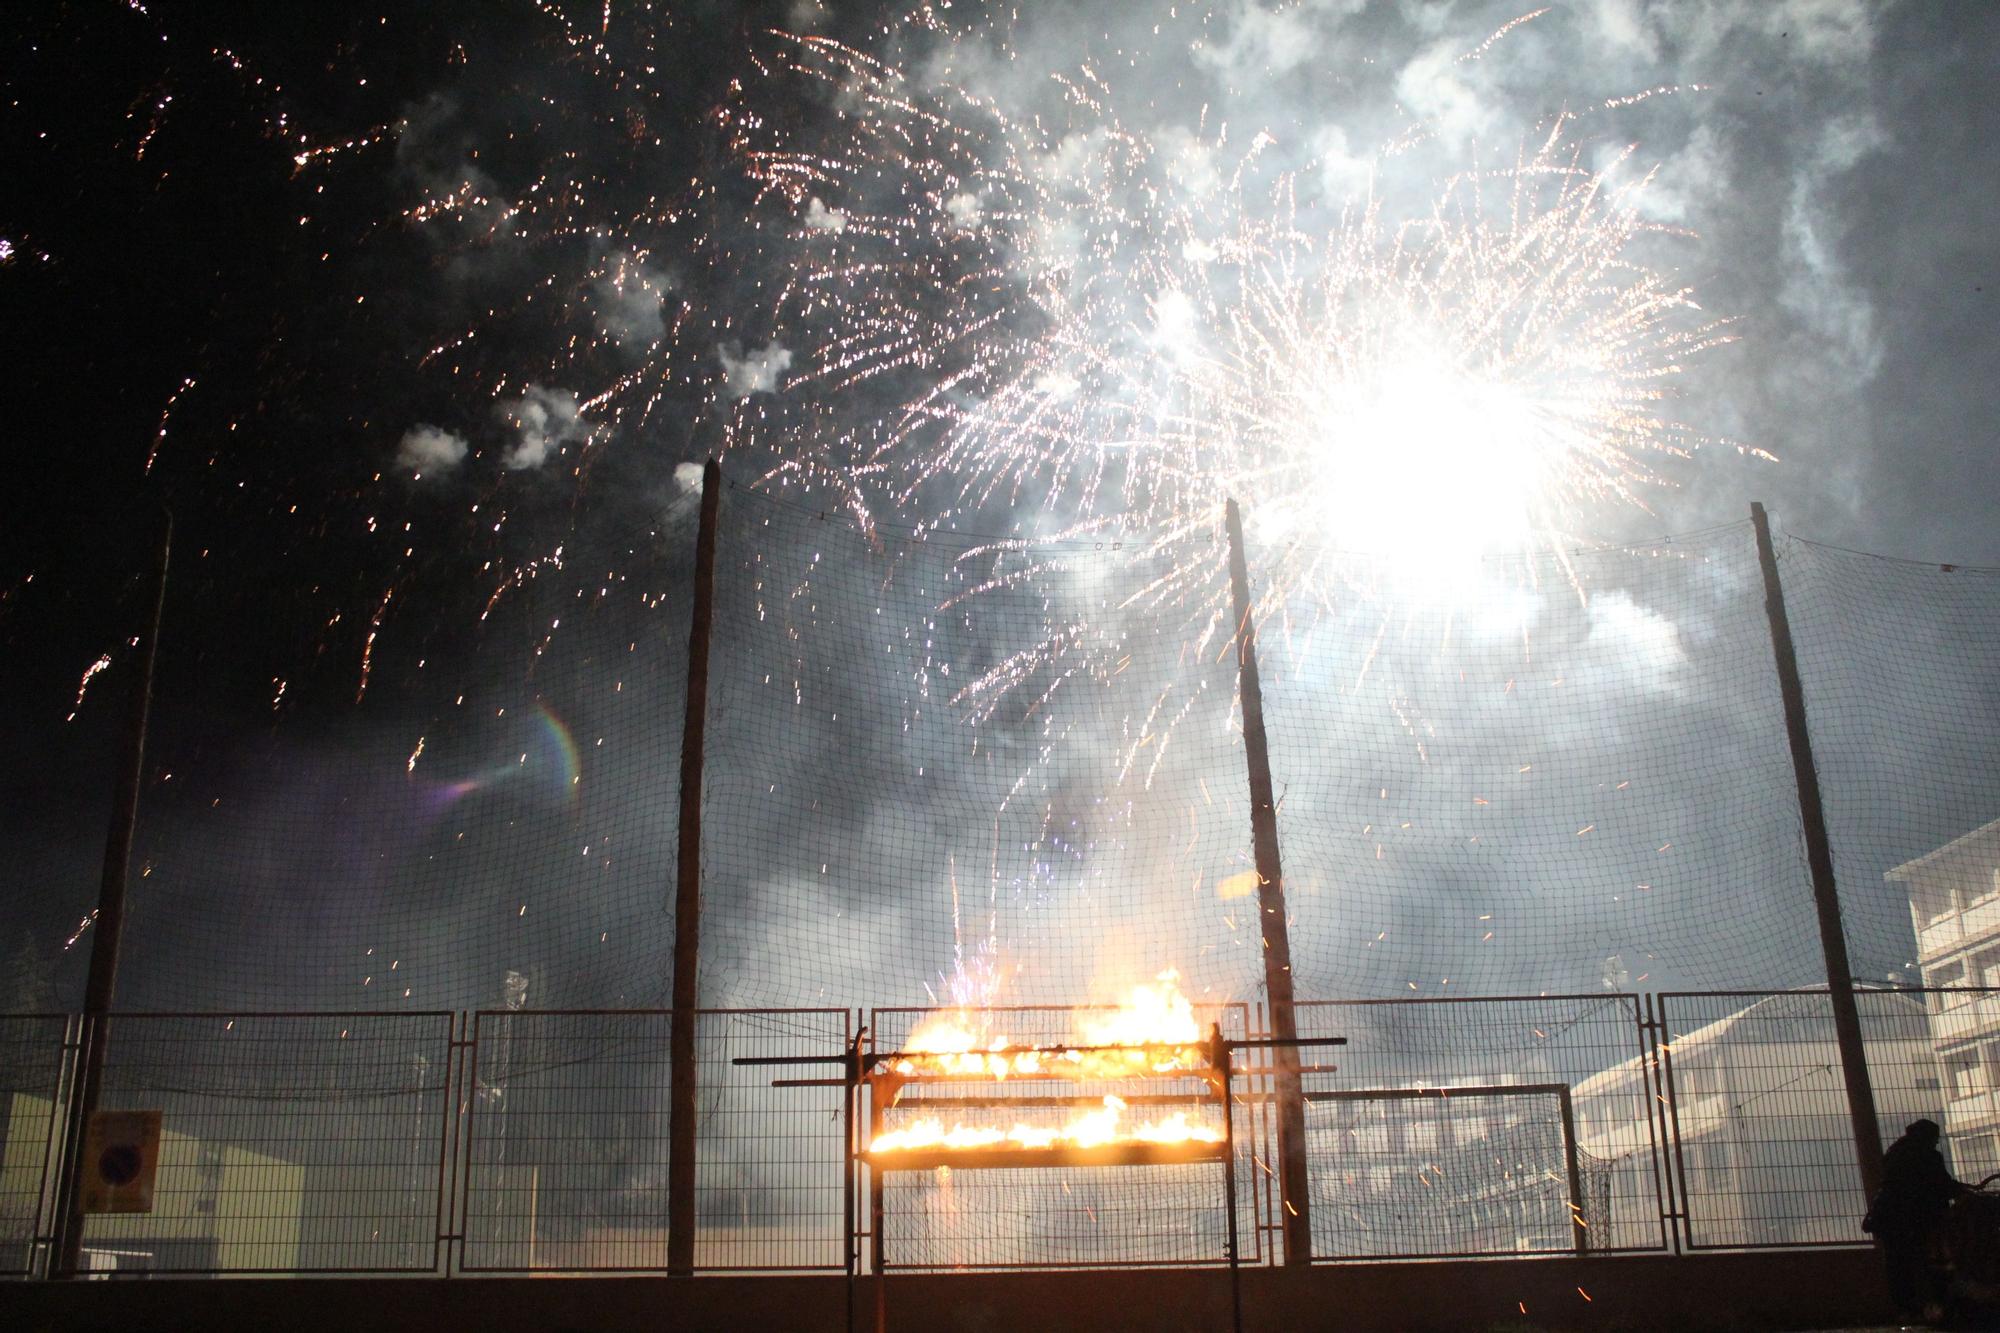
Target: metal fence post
x,y
1819,856
687,896
1276,933
109,927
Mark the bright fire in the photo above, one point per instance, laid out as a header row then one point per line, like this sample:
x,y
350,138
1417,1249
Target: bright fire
x,y
1090,1130
1155,1031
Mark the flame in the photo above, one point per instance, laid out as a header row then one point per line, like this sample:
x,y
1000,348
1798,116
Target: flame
x,y
1155,1028
1092,1129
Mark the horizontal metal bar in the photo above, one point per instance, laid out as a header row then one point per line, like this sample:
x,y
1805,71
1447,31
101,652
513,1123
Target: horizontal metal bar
x,y
1707,1246
879,1057
1069,1265
1442,1094
645,1013
1495,999
399,1015
1231,1006
1261,1043
1136,1099
982,1159
1204,1074
661,1267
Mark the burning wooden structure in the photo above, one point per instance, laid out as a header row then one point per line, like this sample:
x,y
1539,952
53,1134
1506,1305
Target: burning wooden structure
x,y
1002,1082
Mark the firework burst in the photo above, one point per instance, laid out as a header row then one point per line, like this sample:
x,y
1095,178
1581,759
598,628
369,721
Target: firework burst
x,y
1062,329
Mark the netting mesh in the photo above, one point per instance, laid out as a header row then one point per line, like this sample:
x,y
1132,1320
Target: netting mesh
x,y
926,769
486,817
1904,704
968,771
1559,779
944,767
1556,779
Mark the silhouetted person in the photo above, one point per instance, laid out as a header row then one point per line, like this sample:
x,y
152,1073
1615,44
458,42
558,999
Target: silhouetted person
x,y
1908,1214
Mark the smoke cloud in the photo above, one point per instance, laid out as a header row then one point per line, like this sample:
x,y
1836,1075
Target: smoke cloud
x,y
429,450
543,421
753,372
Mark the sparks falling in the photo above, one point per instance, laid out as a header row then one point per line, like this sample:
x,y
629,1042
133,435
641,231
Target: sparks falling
x,y
1082,334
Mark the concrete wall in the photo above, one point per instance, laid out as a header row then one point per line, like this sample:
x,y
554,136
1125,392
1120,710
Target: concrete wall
x,y
1779,1290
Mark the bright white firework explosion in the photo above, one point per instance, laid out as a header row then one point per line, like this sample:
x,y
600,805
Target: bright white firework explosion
x,y
1076,323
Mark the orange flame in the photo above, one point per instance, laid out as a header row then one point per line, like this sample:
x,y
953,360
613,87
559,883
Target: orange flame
x,y
1090,1130
1155,1027
1154,1031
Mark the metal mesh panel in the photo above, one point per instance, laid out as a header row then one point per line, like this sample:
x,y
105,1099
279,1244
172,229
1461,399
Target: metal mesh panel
x,y
1765,1151
1588,1044
1962,1070
290,1143
567,1143
1473,1172
769,1187
1078,1217
1103,1216
31,1070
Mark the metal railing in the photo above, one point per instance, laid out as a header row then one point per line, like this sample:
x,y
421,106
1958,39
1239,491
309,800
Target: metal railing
x,y
1763,1154
291,1143
1536,1135
536,1141
566,1147
35,1054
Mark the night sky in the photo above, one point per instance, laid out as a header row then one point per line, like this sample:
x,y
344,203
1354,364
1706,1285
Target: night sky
x,y
414,317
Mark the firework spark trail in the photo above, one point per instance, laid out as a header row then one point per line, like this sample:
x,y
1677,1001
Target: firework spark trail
x,y
1060,327
166,419
90,672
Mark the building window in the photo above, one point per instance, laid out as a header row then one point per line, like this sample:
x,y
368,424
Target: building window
x,y
1963,1067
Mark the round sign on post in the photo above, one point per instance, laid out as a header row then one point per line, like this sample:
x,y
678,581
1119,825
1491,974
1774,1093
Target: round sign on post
x,y
121,1152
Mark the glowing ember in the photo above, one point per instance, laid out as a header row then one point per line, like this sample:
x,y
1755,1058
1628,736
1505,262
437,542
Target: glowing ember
x,y
1092,1129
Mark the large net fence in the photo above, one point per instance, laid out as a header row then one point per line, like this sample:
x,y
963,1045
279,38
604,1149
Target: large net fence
x,y
961,770
1904,704
944,767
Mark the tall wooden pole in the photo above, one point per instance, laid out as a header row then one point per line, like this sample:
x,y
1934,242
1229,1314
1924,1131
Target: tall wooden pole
x,y
108,928
1819,857
687,896
1294,1195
